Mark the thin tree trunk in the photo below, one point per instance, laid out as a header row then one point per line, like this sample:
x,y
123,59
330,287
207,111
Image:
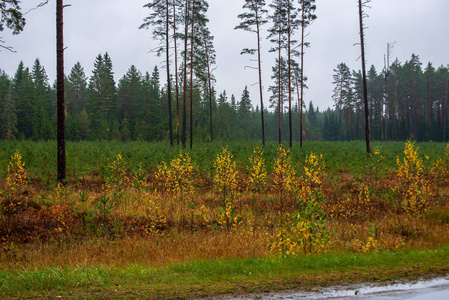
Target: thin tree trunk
x,y
184,96
260,77
395,108
365,91
429,112
445,110
384,104
61,157
167,50
191,75
176,73
279,91
414,110
300,107
302,75
289,79
339,110
210,96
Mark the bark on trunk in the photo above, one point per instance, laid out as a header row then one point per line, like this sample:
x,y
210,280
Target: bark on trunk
x,y
176,73
260,77
184,96
210,97
191,76
289,80
61,157
365,91
167,57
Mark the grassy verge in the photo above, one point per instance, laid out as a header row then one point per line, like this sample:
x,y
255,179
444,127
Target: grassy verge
x,y
217,277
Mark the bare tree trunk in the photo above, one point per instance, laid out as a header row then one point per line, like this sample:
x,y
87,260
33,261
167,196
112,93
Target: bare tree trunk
x,y
289,79
302,75
384,103
176,73
167,57
279,91
184,96
191,75
445,110
210,96
414,116
365,91
300,108
61,157
260,78
339,110
429,110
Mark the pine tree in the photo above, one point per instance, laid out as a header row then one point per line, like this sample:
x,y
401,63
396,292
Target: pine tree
x,y
307,8
278,37
252,22
292,26
12,17
61,155
342,90
162,20
278,97
363,3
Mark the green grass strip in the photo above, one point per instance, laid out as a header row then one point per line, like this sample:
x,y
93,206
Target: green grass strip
x,y
217,277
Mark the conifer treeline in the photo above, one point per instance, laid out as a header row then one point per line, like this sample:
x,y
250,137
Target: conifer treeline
x,y
98,108
405,101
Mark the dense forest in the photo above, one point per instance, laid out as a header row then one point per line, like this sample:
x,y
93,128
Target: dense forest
x,y
410,102
405,100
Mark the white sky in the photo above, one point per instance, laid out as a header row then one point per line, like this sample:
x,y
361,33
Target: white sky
x,y
97,26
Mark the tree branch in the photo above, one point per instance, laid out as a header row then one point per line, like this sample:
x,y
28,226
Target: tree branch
x,y
39,5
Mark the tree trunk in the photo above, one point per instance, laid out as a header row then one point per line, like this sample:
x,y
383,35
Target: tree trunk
x,y
429,109
365,91
61,157
210,96
176,73
302,75
191,76
289,79
299,110
279,90
260,78
167,45
184,96
445,110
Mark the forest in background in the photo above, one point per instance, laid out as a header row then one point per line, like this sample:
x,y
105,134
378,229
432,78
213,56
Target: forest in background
x,y
410,102
403,101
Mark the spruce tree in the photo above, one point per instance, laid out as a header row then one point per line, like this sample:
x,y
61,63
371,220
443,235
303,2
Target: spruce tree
x,y
42,127
25,100
76,98
8,116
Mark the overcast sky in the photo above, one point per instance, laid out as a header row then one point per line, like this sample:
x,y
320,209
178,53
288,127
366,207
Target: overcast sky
x,y
99,26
